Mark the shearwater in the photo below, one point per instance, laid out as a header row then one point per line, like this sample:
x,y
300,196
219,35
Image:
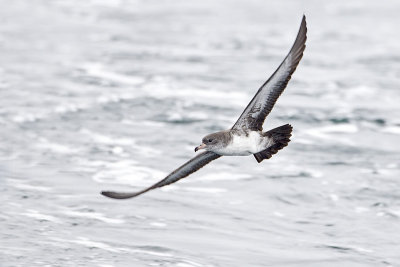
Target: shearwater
x,y
246,137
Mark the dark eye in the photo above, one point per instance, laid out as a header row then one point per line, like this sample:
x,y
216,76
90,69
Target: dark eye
x,y
209,140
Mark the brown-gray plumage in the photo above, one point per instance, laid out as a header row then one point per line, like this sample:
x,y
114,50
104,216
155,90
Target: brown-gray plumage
x,y
262,103
281,136
246,136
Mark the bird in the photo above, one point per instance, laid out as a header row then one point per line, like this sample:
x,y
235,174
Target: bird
x,y
246,137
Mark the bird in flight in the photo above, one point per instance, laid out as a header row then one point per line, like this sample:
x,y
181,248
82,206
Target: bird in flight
x,y
246,137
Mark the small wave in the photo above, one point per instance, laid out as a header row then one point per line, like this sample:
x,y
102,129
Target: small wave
x,y
221,176
97,70
117,144
337,128
158,224
68,108
161,88
84,241
185,117
327,133
108,140
92,215
87,242
345,249
126,172
40,216
392,129
45,144
23,185
22,118
209,190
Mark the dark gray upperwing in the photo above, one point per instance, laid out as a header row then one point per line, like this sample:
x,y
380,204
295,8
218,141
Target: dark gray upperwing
x,y
186,169
262,103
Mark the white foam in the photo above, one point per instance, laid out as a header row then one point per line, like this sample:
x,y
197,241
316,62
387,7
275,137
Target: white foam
x,y
103,99
118,142
158,224
48,111
315,173
363,250
337,128
93,215
188,264
395,212
55,147
127,172
61,109
360,92
84,241
221,176
391,129
147,152
171,187
361,209
142,123
28,117
205,190
97,70
22,185
181,115
142,251
331,132
278,214
117,150
94,244
334,197
161,88
108,140
304,141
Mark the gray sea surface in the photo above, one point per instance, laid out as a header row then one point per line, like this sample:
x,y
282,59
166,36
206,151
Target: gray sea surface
x,y
115,94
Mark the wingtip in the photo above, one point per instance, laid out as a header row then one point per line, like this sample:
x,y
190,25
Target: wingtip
x,y
304,19
300,42
116,195
108,194
304,22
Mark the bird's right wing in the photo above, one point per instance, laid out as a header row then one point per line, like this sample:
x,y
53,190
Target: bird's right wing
x,y
186,169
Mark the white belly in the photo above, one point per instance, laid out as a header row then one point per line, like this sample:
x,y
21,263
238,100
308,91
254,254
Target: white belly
x,y
243,145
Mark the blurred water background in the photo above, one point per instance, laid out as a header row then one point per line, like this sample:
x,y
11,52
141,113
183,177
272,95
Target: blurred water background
x,y
115,94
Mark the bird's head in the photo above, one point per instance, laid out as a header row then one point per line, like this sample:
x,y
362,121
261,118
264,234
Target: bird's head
x,y
212,141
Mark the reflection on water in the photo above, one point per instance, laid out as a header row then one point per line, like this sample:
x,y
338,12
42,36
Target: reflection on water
x,y
115,94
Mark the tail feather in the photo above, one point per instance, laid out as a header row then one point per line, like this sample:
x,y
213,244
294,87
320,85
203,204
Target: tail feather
x,y
281,137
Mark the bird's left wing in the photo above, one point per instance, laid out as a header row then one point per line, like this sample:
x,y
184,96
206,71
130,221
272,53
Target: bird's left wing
x,y
262,103
186,169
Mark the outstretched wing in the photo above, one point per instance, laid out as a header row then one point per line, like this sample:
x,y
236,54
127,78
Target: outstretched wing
x,y
262,103
186,169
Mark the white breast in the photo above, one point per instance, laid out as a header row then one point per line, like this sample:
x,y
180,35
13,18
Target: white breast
x,y
243,145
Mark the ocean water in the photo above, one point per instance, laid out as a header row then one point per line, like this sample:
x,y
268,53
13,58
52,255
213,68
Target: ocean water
x,y
114,94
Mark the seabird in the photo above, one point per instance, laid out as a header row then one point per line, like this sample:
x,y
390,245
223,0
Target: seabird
x,y
246,137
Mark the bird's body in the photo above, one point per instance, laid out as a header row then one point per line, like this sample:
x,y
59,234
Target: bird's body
x,y
244,143
246,137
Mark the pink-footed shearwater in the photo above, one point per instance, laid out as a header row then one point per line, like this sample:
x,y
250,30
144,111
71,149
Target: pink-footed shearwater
x,y
246,137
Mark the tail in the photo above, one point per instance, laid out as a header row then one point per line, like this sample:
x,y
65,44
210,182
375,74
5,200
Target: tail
x,y
280,136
